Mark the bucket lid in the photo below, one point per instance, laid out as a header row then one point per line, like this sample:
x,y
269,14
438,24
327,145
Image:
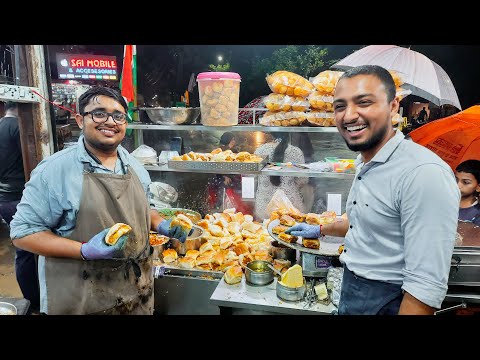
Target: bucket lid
x,y
217,75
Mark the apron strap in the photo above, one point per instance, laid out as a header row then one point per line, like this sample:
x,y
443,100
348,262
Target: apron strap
x,y
88,168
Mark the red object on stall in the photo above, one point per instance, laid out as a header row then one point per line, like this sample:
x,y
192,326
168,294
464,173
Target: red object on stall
x,y
455,138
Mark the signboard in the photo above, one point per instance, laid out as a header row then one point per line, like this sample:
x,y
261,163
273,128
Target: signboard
x,y
88,67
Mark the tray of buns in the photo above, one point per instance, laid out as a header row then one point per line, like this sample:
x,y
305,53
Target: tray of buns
x,y
327,245
219,165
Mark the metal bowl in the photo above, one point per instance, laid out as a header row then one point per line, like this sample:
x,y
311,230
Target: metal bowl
x,y
258,273
193,242
290,294
168,213
7,308
172,115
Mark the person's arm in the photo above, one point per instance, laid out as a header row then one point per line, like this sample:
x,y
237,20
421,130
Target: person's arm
x,y
48,244
429,225
338,228
412,306
38,213
155,219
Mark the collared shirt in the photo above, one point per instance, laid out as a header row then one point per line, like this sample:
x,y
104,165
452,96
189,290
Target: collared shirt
x,y
403,211
51,199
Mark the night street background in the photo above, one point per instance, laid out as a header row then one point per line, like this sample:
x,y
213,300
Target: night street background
x,y
459,61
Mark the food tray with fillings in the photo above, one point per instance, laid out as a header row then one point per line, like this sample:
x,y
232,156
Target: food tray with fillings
x,y
328,244
219,165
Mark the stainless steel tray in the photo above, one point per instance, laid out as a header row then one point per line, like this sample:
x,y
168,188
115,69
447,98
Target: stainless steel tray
x,y
217,165
328,245
196,273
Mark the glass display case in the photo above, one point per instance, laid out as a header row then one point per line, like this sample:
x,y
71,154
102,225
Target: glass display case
x,y
209,191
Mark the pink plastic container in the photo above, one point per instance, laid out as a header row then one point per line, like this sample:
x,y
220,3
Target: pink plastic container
x,y
219,94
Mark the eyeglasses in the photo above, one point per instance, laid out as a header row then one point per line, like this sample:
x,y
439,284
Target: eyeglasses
x,y
102,116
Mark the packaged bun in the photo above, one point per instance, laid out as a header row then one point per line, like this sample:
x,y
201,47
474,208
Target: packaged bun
x,y
320,118
116,232
326,81
288,83
283,118
398,78
280,102
320,102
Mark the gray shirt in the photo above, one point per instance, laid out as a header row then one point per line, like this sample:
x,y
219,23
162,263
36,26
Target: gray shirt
x,y
403,212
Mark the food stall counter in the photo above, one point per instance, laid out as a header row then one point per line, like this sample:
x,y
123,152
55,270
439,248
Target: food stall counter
x,y
243,298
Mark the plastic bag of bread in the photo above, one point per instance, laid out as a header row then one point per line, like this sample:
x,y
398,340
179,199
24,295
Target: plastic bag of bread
x,y
277,102
326,81
283,118
280,201
398,78
289,83
320,102
300,104
320,118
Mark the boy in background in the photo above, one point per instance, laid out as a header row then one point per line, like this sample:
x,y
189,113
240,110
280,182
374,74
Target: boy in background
x,y
467,175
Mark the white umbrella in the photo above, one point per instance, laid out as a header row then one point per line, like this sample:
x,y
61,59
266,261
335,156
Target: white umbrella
x,y
424,77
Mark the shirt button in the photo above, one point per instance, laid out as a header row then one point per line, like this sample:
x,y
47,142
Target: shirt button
x,y
354,203
359,178
351,226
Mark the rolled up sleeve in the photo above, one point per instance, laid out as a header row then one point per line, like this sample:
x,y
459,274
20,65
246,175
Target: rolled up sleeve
x,y
39,209
429,222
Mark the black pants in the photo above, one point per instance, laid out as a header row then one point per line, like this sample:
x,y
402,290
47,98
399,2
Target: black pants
x,y
26,270
360,296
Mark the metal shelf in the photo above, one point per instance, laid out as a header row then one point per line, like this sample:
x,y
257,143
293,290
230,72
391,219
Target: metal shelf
x,y
290,172
310,129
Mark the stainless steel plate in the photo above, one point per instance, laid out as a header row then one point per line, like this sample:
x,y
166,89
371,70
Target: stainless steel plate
x,y
328,245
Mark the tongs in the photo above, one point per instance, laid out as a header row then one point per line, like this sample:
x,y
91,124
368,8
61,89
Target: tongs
x,y
310,296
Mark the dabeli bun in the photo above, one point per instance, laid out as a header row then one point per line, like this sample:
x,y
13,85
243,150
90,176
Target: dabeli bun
x,y
116,232
183,221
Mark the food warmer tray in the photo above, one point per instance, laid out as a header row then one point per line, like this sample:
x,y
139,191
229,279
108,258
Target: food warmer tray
x,y
328,244
162,270
219,165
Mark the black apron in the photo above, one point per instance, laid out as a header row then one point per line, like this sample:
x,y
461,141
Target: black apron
x,y
360,296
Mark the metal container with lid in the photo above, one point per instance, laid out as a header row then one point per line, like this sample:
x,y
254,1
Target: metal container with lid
x,y
290,294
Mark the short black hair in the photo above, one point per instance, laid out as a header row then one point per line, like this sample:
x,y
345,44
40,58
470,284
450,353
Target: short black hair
x,y
471,167
96,91
10,105
226,138
381,73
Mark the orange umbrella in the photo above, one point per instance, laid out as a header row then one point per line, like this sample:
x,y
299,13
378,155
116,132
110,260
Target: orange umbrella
x,y
455,138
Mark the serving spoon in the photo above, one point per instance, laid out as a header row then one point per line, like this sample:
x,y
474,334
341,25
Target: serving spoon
x,y
275,270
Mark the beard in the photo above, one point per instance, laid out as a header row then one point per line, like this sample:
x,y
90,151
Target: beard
x,y
370,143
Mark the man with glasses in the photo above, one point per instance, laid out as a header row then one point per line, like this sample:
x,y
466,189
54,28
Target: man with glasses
x,y
72,200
